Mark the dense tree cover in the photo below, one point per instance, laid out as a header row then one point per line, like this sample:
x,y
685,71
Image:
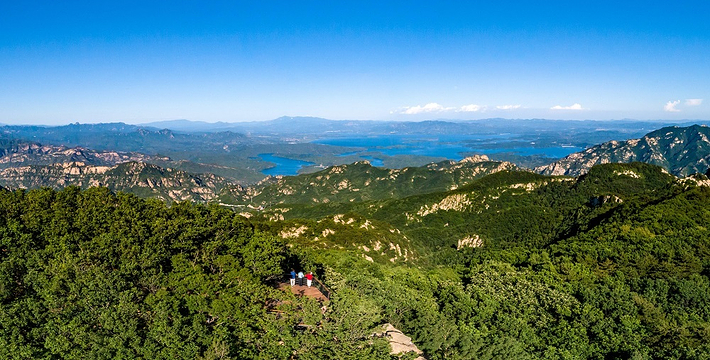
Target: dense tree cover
x,y
96,275
613,265
586,297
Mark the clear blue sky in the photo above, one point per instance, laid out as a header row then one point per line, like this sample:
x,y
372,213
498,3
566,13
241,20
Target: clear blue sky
x,y
101,61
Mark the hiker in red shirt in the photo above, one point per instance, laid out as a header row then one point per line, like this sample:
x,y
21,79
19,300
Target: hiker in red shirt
x,y
309,279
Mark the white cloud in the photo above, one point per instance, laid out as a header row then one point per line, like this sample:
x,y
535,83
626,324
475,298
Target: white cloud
x,y
670,106
693,102
472,108
571,107
507,107
428,108
435,108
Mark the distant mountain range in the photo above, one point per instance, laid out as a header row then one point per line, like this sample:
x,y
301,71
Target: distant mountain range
x,y
680,150
228,154
304,125
124,137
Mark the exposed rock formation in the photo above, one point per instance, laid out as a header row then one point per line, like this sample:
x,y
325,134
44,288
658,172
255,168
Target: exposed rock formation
x,y
469,241
134,177
400,343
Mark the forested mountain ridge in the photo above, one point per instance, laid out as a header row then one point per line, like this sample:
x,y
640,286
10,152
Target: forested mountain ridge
x,y
505,208
680,150
363,182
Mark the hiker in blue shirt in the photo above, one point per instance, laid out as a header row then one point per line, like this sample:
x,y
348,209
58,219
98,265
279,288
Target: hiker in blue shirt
x,y
293,277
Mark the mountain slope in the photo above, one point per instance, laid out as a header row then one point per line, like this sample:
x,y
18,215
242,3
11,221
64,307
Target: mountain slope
x,y
680,150
506,209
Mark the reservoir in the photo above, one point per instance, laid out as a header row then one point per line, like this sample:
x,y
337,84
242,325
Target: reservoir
x,y
452,147
284,166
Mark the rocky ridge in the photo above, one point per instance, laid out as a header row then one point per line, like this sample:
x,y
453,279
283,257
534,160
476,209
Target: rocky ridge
x,y
21,153
140,178
680,150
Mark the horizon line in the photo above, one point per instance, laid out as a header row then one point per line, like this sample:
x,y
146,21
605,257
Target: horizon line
x,y
148,123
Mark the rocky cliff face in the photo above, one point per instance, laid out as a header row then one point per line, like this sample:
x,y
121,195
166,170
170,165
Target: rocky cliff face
x,y
680,150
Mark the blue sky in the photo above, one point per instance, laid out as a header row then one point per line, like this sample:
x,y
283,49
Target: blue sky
x,y
136,61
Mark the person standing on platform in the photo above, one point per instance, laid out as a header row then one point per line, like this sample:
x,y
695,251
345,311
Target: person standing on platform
x,y
309,278
300,278
293,277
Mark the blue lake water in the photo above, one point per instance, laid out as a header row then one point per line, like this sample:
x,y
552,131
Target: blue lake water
x,y
446,146
441,146
284,166
373,161
452,147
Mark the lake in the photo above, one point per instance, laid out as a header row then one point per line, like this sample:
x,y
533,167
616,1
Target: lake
x,y
446,146
284,166
438,146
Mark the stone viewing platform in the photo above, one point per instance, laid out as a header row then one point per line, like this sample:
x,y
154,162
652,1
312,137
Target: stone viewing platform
x,y
303,290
